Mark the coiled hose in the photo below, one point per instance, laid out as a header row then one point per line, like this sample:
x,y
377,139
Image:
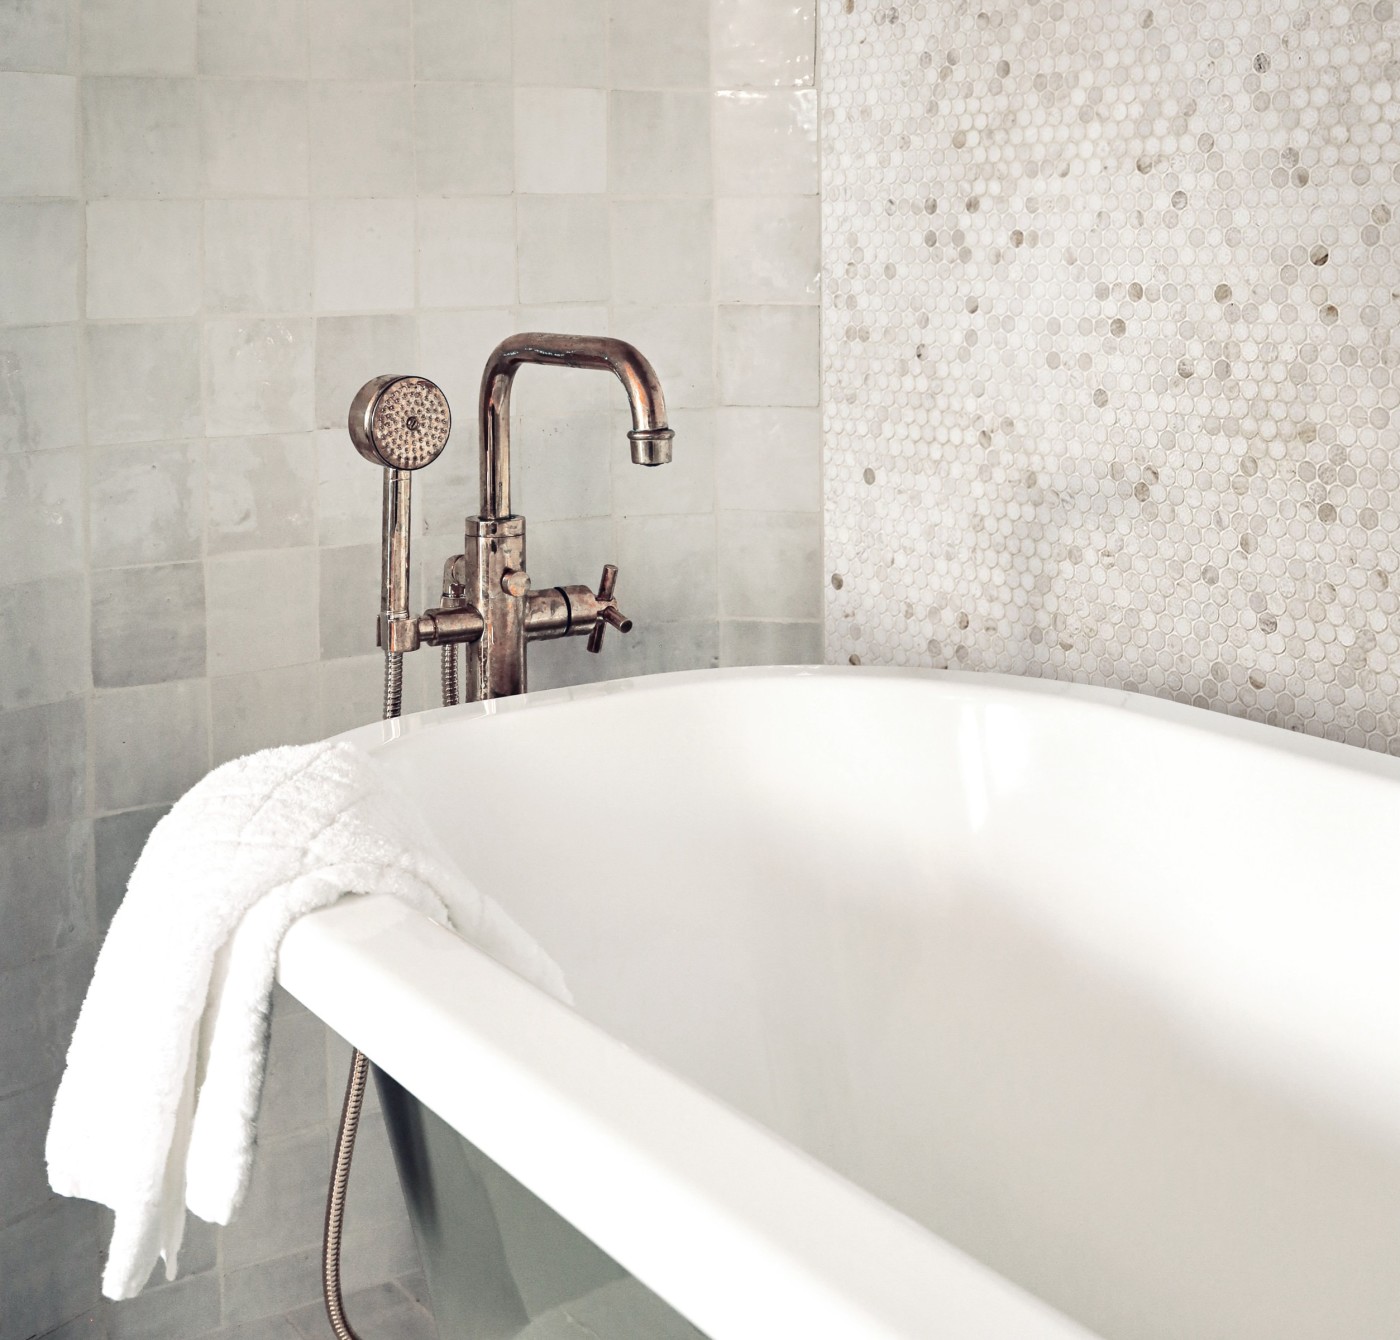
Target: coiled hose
x,y
359,1062
359,1070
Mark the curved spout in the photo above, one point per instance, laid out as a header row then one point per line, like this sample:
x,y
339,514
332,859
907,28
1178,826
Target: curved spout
x,y
650,436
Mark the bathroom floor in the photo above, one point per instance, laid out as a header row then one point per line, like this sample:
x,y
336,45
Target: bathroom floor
x,y
384,1309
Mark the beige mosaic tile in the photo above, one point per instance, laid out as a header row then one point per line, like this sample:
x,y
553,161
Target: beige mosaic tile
x,y
1110,377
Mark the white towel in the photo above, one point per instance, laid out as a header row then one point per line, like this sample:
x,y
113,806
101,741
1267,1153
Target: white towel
x,y
157,1106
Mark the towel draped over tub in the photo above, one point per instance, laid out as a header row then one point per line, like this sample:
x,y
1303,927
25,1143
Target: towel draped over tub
x,y
157,1106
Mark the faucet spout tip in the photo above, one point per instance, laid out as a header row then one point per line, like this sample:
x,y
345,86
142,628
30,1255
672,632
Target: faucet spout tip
x,y
651,446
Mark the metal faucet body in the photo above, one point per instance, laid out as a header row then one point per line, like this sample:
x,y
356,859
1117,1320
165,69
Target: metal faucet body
x,y
495,578
488,605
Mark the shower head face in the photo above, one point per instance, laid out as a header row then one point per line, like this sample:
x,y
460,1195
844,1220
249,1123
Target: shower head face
x,y
401,423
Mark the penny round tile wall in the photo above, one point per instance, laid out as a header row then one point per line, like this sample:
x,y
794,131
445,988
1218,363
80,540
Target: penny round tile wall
x,y
1110,373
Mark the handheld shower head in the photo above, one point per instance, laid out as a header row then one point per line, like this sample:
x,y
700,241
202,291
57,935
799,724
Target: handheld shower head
x,y
401,423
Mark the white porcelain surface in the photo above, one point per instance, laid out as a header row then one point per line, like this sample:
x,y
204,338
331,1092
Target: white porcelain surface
x,y
1095,988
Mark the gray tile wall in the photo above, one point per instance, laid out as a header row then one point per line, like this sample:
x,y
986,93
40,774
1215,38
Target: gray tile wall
x,y
216,220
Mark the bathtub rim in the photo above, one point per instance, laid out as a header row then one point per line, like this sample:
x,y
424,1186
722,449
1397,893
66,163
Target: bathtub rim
x,y
990,685
800,1248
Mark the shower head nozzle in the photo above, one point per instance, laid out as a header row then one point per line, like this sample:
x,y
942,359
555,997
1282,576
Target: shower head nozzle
x,y
401,423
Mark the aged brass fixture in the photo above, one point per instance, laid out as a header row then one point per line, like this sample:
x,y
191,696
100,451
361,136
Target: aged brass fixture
x,y
488,603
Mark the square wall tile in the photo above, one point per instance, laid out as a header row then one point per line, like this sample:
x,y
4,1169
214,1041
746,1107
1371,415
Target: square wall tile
x,y
40,389
561,42
147,625
178,1311
262,610
769,642
39,35
453,348
146,504
466,252
362,254
769,249
352,349
659,143
763,45
253,37
262,493
49,1263
658,648
669,566
138,36
563,246
660,43
45,653
679,343
349,492
559,466
143,258
553,391
768,355
41,515
143,382
285,1202
572,552
768,459
466,40
256,711
349,600
46,911
254,133
38,134
561,141
362,139
386,1309
360,39
44,780
770,565
39,1002
24,1182
661,251
257,255
140,137
117,841
687,484
465,139
150,744
766,142
268,1290
352,693
39,255
258,376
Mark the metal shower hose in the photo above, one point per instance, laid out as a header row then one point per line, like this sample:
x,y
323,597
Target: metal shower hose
x,y
359,1062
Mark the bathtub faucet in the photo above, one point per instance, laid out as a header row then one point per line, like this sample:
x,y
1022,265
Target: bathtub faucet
x,y
488,603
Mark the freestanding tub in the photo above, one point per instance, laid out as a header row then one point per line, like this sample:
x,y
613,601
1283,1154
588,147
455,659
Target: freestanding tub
x,y
907,1004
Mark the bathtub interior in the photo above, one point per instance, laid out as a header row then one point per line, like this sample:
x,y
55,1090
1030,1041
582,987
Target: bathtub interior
x,y
1102,998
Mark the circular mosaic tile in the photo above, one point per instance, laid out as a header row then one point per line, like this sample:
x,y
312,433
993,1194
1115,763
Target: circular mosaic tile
x,y
1110,374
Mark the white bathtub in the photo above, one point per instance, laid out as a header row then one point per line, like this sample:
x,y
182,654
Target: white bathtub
x,y
916,1005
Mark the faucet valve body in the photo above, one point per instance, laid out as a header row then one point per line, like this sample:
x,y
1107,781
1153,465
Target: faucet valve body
x,y
488,604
